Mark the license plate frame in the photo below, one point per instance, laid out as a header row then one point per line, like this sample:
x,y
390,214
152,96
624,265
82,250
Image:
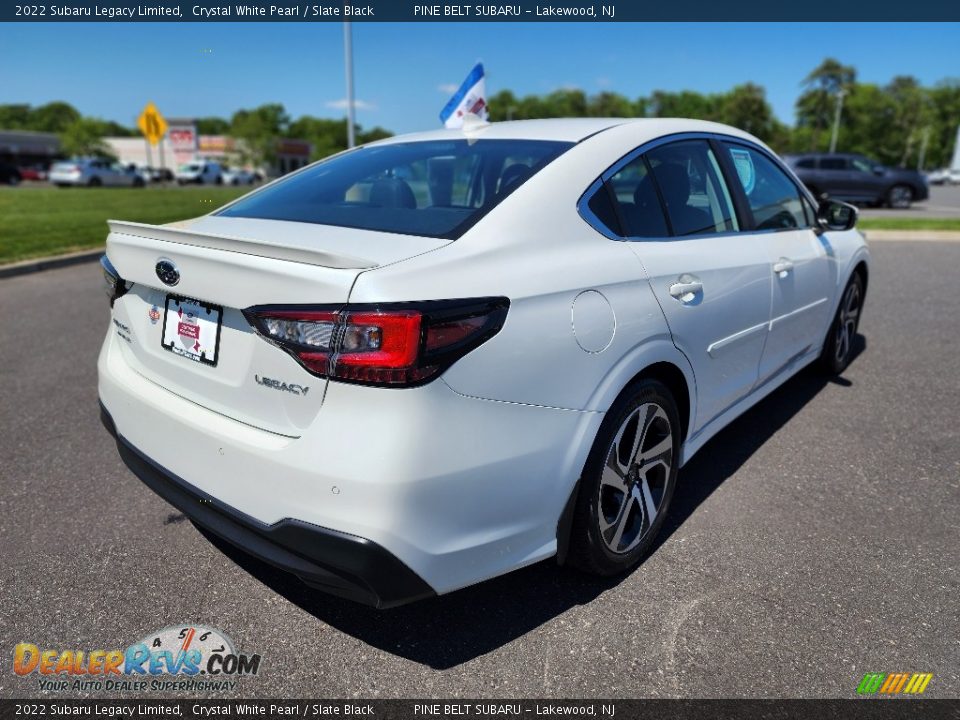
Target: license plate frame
x,y
204,321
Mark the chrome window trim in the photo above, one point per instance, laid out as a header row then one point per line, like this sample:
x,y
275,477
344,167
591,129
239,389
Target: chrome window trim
x,y
593,221
583,207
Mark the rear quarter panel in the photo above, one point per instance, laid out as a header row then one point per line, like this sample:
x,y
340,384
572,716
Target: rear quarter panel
x,y
535,249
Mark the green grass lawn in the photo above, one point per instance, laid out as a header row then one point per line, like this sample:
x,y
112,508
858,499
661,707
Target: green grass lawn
x,y
36,222
874,223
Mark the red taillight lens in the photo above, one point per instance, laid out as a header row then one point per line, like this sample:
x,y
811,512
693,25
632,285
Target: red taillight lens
x,y
392,346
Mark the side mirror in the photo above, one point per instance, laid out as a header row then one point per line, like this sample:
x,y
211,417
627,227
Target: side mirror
x,y
836,215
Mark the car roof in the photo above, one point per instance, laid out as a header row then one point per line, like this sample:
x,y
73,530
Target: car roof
x,y
560,129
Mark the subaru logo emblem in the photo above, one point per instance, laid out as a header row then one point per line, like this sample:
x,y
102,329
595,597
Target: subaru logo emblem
x,y
167,272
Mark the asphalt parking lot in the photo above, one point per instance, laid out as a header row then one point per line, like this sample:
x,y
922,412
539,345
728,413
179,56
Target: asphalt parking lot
x,y
811,542
944,202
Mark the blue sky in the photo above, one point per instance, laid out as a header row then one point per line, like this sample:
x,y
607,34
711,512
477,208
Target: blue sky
x,y
111,70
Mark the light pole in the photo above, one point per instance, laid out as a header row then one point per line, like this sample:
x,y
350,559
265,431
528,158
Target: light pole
x,y
836,120
348,65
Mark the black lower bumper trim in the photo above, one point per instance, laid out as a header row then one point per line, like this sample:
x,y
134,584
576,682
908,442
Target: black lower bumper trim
x,y
335,562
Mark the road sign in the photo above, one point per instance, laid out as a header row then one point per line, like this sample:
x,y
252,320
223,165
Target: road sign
x,y
152,124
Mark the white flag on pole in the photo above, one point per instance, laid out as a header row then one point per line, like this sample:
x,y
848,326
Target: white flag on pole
x,y
470,98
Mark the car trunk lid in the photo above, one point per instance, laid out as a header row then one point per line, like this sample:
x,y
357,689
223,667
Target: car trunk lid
x,y
192,338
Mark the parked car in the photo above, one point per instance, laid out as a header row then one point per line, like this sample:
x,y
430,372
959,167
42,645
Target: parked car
x,y
200,172
238,176
944,176
858,179
36,173
163,174
397,388
141,171
94,172
9,175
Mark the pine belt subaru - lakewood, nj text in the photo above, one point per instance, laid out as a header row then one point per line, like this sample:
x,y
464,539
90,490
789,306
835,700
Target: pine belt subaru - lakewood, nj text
x,y
436,358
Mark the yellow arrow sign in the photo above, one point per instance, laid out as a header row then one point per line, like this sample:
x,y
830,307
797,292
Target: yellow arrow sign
x,y
152,124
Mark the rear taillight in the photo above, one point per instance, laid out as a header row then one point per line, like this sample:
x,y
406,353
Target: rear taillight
x,y
113,285
397,345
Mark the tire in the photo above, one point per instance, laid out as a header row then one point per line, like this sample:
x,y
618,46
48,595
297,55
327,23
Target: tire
x,y
94,182
899,197
218,181
838,345
138,183
611,530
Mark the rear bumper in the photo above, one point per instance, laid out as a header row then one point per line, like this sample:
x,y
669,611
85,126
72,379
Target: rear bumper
x,y
457,489
335,562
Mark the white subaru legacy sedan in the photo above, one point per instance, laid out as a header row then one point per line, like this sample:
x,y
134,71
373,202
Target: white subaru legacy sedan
x,y
436,358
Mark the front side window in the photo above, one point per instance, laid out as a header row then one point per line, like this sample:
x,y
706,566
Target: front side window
x,y
435,188
692,189
774,199
862,164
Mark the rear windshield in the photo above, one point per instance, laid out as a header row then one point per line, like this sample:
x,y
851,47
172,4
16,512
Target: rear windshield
x,y
429,188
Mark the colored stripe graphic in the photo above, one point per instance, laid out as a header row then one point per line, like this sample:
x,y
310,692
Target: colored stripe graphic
x,y
871,683
894,683
918,683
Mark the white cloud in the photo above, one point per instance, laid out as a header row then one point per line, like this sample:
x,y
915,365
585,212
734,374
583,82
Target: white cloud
x,y
357,103
448,88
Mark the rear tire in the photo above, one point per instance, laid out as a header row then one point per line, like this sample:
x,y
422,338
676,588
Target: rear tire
x,y
837,348
899,197
95,182
628,481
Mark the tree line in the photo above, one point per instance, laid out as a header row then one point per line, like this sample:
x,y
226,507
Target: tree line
x,y
900,123
895,123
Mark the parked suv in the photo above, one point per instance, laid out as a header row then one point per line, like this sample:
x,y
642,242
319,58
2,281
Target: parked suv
x,y
201,173
856,178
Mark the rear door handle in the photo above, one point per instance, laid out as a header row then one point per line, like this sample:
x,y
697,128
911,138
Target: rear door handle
x,y
680,290
782,266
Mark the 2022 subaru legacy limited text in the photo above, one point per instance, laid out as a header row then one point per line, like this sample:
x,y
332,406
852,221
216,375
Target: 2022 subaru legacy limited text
x,y
436,358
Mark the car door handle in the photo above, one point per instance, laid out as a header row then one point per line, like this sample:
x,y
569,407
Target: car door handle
x,y
681,289
782,266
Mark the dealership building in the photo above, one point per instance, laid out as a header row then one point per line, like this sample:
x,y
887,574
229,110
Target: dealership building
x,y
24,148
182,144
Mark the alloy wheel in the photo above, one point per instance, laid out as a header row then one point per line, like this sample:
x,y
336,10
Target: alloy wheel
x,y
900,197
847,322
634,478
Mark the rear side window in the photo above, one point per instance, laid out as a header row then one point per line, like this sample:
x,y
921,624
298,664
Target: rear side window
x,y
429,188
806,164
601,206
692,188
638,201
774,199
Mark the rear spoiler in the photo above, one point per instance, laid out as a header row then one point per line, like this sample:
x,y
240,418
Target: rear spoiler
x,y
183,236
